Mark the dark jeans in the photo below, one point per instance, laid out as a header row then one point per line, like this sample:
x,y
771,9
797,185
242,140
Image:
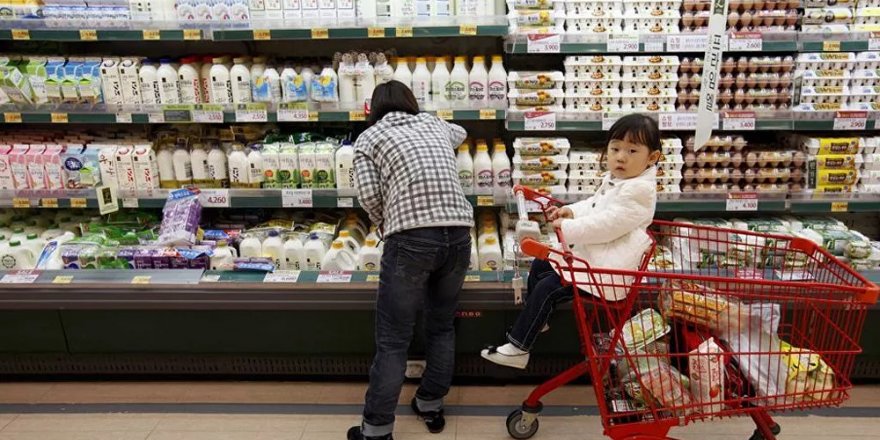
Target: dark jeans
x,y
419,267
544,293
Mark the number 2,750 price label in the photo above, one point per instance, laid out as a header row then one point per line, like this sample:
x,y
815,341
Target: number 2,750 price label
x,y
539,121
214,198
543,43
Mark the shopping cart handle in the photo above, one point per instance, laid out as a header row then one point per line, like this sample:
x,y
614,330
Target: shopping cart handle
x,y
531,194
535,249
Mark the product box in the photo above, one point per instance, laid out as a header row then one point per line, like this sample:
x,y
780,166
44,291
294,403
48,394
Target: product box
x,y
274,10
37,76
80,167
36,170
258,9
271,166
310,9
107,164
6,181
831,178
90,81
307,165
18,165
130,82
146,167
70,84
52,166
111,82
54,78
125,170
14,83
289,169
291,9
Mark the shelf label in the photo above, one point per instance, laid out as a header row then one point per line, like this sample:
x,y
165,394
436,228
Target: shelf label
x,y
357,115
375,32
320,33
297,198
108,201
739,121
485,201
78,202
487,114
468,314
293,112
192,34
123,118
403,31
745,42
687,43
445,114
141,279
472,278
345,202
59,118
253,112
88,35
334,277
282,276
874,41
49,203
848,120
63,279
839,206
215,198
21,34
130,203
742,202
608,119
543,43
178,113
207,114
262,34
21,202
156,118
12,118
20,277
373,278
623,43
467,29
539,121
831,46
152,34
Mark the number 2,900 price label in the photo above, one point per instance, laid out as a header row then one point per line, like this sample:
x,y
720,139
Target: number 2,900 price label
x,y
543,43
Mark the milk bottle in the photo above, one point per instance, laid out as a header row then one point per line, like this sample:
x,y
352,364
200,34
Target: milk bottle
x,y
421,81
465,164
485,179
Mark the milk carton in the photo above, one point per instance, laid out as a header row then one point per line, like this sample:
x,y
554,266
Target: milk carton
x,y
34,164
125,171
130,82
90,81
271,165
146,167
107,164
325,165
54,78
70,84
37,76
289,171
13,82
6,181
18,165
307,164
53,166
111,82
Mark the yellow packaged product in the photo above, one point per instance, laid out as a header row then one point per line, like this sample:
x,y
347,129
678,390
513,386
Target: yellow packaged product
x,y
693,303
808,375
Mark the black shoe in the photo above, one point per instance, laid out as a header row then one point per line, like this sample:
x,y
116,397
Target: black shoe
x,y
354,433
434,420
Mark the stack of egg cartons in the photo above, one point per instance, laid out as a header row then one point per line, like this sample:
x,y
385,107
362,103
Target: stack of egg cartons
x,y
833,163
594,17
586,174
649,83
541,164
592,83
823,81
867,15
870,176
828,16
651,16
536,16
532,91
669,168
865,83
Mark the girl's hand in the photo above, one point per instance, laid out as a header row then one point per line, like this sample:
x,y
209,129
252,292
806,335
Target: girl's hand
x,y
557,224
556,213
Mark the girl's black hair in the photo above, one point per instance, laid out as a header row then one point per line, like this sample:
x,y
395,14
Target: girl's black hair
x,y
638,128
392,96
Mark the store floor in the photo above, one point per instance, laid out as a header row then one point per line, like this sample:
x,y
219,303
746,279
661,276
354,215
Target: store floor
x,y
318,411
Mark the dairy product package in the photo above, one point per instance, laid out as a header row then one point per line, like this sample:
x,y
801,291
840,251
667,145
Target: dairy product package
x,y
180,218
706,368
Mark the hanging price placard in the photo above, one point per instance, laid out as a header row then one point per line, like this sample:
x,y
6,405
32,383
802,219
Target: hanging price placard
x,y
848,120
488,114
874,41
831,46
254,112
543,43
742,201
297,198
21,202
539,121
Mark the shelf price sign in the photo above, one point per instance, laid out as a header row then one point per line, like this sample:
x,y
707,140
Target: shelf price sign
x,y
623,43
375,32
739,121
21,34
254,112
207,114
192,34
539,121
297,198
293,112
215,198
467,29
334,277
262,34
742,202
850,120
745,42
687,43
403,31
20,277
88,35
445,114
282,276
152,34
12,118
543,43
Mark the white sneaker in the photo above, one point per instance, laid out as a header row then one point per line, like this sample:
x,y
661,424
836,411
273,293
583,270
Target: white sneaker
x,y
506,355
546,328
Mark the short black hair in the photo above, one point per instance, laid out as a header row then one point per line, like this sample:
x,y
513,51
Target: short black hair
x,y
636,127
393,96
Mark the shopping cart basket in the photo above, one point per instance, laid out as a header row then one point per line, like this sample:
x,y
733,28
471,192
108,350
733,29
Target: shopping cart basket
x,y
722,323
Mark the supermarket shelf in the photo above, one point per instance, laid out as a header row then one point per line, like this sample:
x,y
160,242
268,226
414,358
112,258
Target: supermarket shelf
x,y
672,43
24,31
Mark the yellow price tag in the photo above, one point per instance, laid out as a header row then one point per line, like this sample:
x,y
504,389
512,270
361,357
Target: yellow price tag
x,y
485,201
12,118
357,116
141,279
376,32
403,31
59,118
262,34
831,46
468,29
49,203
63,279
152,34
445,114
88,35
78,203
313,116
472,278
192,34
487,113
21,34
320,33
839,206
21,202
373,278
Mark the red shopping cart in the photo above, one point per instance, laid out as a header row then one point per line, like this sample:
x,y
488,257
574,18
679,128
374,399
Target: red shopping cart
x,y
717,323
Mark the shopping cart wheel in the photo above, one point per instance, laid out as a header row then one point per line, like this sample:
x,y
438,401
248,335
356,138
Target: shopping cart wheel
x,y
775,429
517,428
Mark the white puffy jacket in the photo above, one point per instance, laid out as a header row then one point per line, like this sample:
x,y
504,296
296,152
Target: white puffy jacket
x,y
609,231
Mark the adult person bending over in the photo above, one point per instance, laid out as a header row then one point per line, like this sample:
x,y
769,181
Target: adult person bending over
x,y
407,181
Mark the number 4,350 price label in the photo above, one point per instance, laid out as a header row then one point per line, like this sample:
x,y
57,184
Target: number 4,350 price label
x,y
543,43
539,121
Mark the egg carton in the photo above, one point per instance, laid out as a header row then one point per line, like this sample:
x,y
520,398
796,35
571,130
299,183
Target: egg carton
x,y
870,145
824,95
578,108
827,29
867,16
773,175
865,78
713,158
656,66
831,145
582,189
756,80
754,19
749,64
558,27
664,82
647,6
824,78
668,24
835,162
707,188
594,7
868,60
864,95
771,188
592,103
868,3
668,189
832,189
535,80
647,107
541,163
593,25
829,3
541,178
556,108
820,178
826,16
594,67
774,158
871,162
816,108
534,17
588,157
579,86
826,61
673,162
521,5
869,177
671,146
867,189
534,146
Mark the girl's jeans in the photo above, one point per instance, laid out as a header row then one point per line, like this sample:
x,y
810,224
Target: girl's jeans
x,y
545,292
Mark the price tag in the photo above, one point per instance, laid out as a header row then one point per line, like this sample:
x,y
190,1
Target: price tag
x,y
831,46
533,207
293,112
742,201
847,120
21,202
20,277
487,114
152,34
63,279
334,277
297,198
357,115
681,121
543,43
254,112
262,34
472,278
540,121
130,203
403,32
874,41
445,114
215,198
468,314
78,203
739,121
654,45
49,203
59,118
88,35
373,278
687,43
467,29
376,32
108,201
207,114
21,34
12,118
282,276
123,118
210,278
192,34
745,42
623,43
840,207
178,113
141,279
608,119
345,202
320,33
156,118
485,201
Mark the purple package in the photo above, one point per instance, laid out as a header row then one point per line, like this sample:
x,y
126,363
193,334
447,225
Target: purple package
x,y
178,260
70,256
143,258
180,218
199,256
162,258
127,254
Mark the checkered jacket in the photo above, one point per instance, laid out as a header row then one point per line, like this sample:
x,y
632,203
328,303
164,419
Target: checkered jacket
x,y
406,173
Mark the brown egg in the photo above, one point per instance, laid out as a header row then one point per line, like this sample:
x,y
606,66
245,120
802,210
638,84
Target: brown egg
x,y
787,63
750,175
764,80
687,188
727,81
742,64
700,20
687,19
795,188
751,159
696,80
689,5
684,81
697,65
685,65
754,65
689,174
751,81
689,159
734,5
702,158
736,160
732,19
778,20
748,97
745,19
748,5
798,158
773,81
683,97
728,65
741,79
759,5
783,97
785,80
767,20
797,175
791,18
689,143
783,106
739,97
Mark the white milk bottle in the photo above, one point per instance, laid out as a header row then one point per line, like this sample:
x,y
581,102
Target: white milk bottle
x,y
183,169
255,166
465,164
165,158
273,80
501,168
347,92
402,73
239,168
497,84
273,248
350,242
189,83
150,89
439,82
294,254
478,80
384,72
421,81
484,177
240,76
314,252
17,257
256,74
199,162
205,78
35,244
218,166
223,257
370,256
345,166
490,254
250,247
339,257
365,79
169,90
366,9
221,86
457,88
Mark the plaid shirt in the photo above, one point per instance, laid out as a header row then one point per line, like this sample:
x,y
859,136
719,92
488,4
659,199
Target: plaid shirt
x,y
406,173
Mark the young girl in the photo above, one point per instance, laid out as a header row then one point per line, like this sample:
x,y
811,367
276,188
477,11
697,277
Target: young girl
x,y
607,230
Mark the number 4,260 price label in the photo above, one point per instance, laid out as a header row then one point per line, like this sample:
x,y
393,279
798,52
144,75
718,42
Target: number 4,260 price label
x,y
214,198
539,121
543,43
